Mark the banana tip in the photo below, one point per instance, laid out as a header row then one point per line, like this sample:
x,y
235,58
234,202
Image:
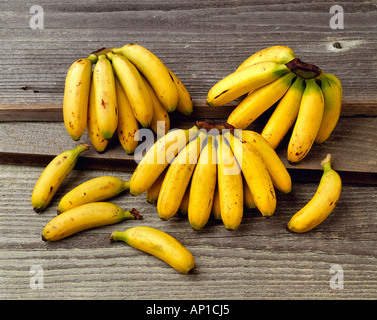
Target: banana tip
x,y
136,214
37,210
326,160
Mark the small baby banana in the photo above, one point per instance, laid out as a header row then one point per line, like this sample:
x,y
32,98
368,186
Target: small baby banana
x,y
87,216
93,190
159,244
322,203
53,175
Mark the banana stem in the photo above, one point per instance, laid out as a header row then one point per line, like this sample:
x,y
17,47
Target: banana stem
x,y
132,214
118,236
303,69
92,58
326,163
101,51
209,124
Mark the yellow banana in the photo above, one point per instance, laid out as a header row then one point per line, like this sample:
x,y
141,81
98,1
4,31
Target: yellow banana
x,y
183,207
216,209
154,70
160,121
76,96
134,87
105,97
159,244
247,196
322,203
256,175
278,54
332,93
93,190
185,104
87,216
128,127
98,141
279,174
285,114
203,186
243,81
158,157
154,190
229,177
259,101
308,122
178,177
53,175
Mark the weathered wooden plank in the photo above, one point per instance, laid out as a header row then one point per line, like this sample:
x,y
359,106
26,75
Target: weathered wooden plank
x,y
260,260
36,143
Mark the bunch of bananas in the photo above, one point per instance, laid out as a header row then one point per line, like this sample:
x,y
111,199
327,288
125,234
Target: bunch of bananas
x,y
306,99
116,90
211,168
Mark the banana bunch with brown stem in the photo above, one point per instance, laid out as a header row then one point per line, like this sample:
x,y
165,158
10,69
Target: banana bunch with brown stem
x,y
211,168
306,98
117,90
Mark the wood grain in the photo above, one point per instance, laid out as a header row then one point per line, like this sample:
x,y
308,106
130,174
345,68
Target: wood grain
x,y
260,260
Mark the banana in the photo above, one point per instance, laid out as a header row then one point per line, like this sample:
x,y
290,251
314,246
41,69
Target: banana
x,y
256,175
322,203
247,196
93,190
278,54
158,157
259,101
128,127
98,141
178,177
216,210
105,97
280,176
134,87
229,184
154,190
243,81
160,121
87,216
203,186
76,95
53,175
308,122
159,244
154,70
185,104
183,207
332,93
285,114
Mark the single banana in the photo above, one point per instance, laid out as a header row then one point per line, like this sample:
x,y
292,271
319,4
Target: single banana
x,y
247,196
86,216
229,182
98,141
308,122
256,175
159,244
76,96
243,81
128,127
160,121
154,190
278,54
158,157
332,93
322,203
53,176
178,177
134,87
216,209
105,97
94,190
185,104
259,101
279,174
203,186
285,114
154,70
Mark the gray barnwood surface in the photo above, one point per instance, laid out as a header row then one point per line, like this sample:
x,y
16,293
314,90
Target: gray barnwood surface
x,y
202,41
